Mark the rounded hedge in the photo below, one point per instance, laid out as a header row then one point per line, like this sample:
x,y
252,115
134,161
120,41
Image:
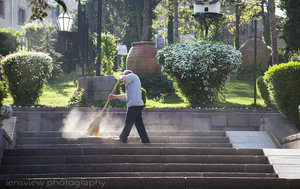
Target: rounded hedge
x,y
2,93
283,83
26,72
9,41
201,68
262,91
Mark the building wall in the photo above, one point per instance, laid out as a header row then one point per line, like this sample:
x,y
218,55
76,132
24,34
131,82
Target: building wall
x,y
11,16
12,7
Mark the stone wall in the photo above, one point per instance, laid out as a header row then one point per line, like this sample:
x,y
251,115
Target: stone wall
x,y
51,119
7,135
283,133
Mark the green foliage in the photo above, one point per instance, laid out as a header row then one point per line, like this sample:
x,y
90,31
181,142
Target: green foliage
x,y
283,85
247,9
144,95
39,8
123,62
245,72
212,22
262,91
201,68
156,84
291,25
186,22
40,38
81,99
2,93
9,41
26,73
108,51
295,56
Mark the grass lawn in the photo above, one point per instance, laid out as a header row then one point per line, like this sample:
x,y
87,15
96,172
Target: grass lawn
x,y
238,94
55,93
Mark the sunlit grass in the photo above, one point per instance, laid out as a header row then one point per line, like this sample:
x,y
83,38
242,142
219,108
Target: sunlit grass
x,y
238,94
56,93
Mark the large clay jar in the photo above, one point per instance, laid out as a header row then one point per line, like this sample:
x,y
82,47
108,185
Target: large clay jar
x,y
141,58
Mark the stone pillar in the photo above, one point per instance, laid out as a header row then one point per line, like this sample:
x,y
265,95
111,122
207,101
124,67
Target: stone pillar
x,y
98,87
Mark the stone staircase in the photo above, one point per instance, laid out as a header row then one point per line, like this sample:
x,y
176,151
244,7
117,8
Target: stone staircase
x,y
174,159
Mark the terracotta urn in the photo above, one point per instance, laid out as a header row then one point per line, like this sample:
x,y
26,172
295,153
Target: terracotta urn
x,y
141,58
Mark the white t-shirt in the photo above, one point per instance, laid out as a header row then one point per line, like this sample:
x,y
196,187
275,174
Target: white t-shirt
x,y
133,90
122,49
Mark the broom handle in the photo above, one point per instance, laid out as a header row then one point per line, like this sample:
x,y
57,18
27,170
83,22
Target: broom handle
x,y
113,91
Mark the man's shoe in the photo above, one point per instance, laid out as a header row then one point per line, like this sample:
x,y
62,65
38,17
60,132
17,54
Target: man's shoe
x,y
119,139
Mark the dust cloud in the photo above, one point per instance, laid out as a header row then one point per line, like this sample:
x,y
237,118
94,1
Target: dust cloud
x,y
76,123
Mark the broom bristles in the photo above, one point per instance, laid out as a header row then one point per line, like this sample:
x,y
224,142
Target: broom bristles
x,y
93,129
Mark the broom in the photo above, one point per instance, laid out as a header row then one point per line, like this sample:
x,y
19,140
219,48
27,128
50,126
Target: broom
x,y
93,129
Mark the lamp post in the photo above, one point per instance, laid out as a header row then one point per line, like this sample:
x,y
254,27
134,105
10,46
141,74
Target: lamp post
x,y
98,63
64,23
255,17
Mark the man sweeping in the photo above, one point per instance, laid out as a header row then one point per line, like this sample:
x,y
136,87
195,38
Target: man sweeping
x,y
135,106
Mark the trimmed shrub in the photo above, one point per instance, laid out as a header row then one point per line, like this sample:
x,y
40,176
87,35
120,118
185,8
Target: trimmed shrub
x,y
26,72
262,91
2,93
283,83
156,84
9,41
201,68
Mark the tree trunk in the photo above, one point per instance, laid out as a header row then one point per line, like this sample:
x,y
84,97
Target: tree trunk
x,y
170,23
104,12
176,35
146,20
273,32
237,26
266,23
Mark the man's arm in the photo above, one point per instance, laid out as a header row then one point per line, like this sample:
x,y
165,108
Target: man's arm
x,y
113,96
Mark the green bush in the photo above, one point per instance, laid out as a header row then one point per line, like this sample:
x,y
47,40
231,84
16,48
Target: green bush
x,y
144,95
156,84
283,83
201,68
9,41
108,51
245,72
262,91
26,72
2,93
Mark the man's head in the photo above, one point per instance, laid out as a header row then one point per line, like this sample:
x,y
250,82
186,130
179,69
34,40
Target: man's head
x,y
126,72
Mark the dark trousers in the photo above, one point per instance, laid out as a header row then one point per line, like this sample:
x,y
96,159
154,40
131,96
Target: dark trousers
x,y
134,116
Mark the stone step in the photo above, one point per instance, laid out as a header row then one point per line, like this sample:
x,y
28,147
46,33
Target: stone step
x,y
116,133
145,150
153,182
211,159
135,167
159,139
103,145
139,174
